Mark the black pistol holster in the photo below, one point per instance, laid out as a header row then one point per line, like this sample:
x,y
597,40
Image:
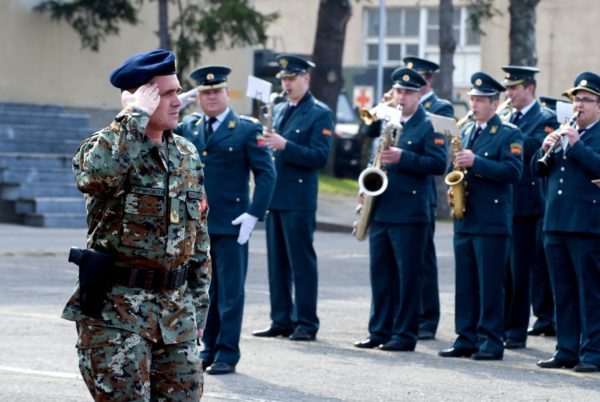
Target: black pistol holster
x,y
94,278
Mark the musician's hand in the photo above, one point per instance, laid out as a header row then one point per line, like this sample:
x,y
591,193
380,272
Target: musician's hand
x,y
550,140
464,159
391,155
200,333
572,134
145,97
274,141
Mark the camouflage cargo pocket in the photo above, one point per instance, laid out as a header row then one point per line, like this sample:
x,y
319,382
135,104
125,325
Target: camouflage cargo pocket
x,y
143,219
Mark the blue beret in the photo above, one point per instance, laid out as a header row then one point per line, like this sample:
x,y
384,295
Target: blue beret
x,y
407,78
292,65
485,85
211,77
142,67
421,66
586,81
516,75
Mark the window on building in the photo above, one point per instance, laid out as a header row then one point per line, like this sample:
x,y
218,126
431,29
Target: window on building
x,y
415,31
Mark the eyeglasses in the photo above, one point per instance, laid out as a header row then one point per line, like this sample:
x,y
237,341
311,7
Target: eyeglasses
x,y
585,100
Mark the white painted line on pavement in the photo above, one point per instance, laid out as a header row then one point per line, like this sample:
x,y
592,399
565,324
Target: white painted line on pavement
x,y
40,373
51,317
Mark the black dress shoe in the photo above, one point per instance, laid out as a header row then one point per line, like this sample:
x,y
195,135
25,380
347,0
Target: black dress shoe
x,y
584,367
425,335
396,346
514,344
220,368
457,352
272,332
481,355
302,335
554,363
368,343
547,331
205,364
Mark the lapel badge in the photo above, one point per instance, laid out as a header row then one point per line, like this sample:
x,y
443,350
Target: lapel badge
x,y
427,105
231,124
210,76
493,129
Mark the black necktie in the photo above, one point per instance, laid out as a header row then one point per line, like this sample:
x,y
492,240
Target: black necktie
x,y
515,117
288,112
474,136
209,127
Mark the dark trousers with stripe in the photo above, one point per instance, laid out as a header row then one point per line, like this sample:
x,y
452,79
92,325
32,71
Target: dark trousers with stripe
x,y
292,265
429,316
480,262
221,338
574,263
396,269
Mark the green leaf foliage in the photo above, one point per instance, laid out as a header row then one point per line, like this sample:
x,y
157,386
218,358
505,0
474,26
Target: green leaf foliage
x,y
93,20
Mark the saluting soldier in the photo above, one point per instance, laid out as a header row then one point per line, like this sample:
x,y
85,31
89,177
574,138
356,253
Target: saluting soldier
x,y
572,229
535,122
493,160
301,138
231,146
401,221
429,316
142,296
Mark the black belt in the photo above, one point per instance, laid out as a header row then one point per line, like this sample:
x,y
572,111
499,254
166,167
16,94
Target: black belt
x,y
149,278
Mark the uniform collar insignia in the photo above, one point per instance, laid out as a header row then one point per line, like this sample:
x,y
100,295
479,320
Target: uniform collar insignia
x,y
231,124
493,129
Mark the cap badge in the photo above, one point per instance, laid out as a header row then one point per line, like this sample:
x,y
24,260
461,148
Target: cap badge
x,y
478,82
405,78
410,64
283,63
210,76
583,82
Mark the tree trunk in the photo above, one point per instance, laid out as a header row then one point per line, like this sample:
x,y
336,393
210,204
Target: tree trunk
x,y
163,25
327,79
447,48
523,51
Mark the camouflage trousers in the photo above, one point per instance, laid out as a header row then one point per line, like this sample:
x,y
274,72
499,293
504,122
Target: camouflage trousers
x,y
118,365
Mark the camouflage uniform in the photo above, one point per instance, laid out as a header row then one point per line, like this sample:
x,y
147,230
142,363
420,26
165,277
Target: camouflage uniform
x,y
146,207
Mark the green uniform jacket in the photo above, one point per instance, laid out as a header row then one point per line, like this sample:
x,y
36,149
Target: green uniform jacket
x,y
147,207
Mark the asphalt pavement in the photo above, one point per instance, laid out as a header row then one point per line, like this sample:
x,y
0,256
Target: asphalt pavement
x,y
38,359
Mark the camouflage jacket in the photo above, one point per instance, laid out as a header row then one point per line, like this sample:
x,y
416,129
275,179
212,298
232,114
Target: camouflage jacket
x,y
150,213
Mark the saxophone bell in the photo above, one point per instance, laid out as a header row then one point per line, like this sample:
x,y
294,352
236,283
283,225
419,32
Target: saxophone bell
x,y
372,181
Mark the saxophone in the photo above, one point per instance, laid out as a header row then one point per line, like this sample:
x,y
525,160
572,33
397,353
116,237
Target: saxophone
x,y
266,110
456,180
373,181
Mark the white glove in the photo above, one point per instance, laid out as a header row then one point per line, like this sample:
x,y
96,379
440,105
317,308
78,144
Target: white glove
x,y
146,98
247,222
187,97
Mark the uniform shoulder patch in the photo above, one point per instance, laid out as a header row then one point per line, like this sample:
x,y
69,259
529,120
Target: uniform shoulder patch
x,y
548,129
326,131
439,140
516,148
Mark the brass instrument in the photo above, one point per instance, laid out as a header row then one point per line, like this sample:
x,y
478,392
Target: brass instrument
x,y
266,110
504,105
373,181
456,180
543,161
370,116
596,182
468,117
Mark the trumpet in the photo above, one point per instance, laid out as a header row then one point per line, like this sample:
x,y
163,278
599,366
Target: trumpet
x,y
369,116
543,161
